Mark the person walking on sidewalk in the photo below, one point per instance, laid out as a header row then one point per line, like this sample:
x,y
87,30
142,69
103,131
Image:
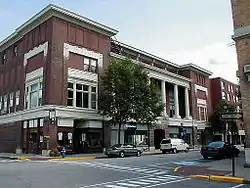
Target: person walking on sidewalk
x,y
63,152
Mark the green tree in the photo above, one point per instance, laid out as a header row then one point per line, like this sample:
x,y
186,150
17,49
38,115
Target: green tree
x,y
215,120
127,94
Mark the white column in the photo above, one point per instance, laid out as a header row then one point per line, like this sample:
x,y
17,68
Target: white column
x,y
163,95
74,94
187,111
176,101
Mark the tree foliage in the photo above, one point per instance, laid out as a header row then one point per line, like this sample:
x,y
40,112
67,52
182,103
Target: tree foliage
x,y
216,123
127,94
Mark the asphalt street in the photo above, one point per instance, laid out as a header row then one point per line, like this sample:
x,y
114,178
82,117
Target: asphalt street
x,y
145,171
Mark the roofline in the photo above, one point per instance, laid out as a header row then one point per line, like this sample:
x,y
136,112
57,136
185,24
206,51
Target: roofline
x,y
220,78
196,67
66,12
147,54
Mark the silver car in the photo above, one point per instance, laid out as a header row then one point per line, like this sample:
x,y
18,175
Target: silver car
x,y
122,150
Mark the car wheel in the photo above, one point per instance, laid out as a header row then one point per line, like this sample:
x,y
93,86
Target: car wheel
x,y
174,150
122,155
164,151
187,150
205,157
138,154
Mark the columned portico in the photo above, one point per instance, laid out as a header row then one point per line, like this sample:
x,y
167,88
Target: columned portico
x,y
176,102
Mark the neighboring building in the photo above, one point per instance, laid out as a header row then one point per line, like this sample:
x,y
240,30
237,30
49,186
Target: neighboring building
x,y
49,85
241,21
226,90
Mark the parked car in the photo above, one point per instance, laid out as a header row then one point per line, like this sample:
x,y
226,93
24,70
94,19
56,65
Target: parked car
x,y
219,150
174,145
122,150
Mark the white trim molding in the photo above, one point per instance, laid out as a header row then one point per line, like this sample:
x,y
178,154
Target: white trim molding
x,y
43,111
67,48
34,75
82,75
199,87
36,50
201,102
160,74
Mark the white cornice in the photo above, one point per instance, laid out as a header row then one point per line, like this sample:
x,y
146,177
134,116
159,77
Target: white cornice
x,y
147,54
160,74
56,11
43,111
36,50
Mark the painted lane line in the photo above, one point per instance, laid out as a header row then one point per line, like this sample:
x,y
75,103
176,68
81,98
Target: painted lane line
x,y
152,171
139,182
128,185
236,186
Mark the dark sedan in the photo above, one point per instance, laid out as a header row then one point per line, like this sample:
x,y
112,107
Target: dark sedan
x,y
219,150
122,150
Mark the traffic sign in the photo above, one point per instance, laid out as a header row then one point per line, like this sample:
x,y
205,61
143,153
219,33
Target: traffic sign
x,y
231,116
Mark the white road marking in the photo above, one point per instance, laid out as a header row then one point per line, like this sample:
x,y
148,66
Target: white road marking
x,y
114,186
150,181
139,182
128,184
166,183
236,186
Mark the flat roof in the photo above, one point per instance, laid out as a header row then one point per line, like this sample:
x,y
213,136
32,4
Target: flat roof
x,y
191,65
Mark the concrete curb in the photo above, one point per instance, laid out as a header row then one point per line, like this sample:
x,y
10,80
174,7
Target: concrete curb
x,y
221,179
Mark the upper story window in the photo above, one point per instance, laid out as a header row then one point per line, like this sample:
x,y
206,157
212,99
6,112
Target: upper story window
x,y
82,96
90,65
223,95
232,89
15,50
17,99
4,57
222,84
33,95
228,97
5,103
228,88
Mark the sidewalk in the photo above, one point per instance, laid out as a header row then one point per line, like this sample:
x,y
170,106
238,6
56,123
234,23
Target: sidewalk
x,y
33,157
218,168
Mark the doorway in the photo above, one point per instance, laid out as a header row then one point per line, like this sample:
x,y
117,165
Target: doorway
x,y
159,134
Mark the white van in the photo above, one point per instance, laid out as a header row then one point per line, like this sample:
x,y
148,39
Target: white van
x,y
174,145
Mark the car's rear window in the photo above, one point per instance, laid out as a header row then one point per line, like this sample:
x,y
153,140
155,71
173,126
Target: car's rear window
x,y
216,144
165,141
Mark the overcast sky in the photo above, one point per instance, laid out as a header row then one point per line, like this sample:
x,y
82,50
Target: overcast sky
x,y
181,31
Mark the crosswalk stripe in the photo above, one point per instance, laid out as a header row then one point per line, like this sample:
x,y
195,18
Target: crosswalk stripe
x,y
128,184
161,172
139,182
114,186
152,171
160,179
150,181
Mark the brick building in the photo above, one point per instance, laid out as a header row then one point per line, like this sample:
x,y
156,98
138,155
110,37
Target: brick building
x,y
50,71
241,23
225,90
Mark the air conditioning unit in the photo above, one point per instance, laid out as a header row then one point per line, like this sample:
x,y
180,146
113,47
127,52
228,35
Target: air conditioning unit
x,y
247,69
237,74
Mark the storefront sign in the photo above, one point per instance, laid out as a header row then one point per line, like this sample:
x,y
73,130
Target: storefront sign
x,y
127,126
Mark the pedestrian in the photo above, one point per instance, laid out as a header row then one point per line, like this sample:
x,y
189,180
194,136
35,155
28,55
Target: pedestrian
x,y
63,152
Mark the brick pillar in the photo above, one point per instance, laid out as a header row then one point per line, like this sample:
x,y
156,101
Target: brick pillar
x,y
50,135
106,136
151,137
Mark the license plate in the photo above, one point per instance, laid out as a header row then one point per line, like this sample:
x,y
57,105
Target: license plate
x,y
210,149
